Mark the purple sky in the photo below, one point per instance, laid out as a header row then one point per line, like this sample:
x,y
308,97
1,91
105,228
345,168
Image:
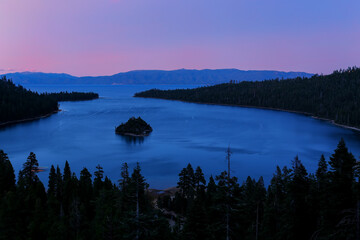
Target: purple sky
x,y
102,37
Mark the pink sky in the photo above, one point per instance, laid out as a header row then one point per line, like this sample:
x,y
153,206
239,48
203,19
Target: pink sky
x,y
103,37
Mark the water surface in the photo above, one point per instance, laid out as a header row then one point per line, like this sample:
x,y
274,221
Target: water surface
x,y
83,133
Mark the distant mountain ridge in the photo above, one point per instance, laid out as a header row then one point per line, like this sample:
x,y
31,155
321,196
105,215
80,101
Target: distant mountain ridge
x,y
176,77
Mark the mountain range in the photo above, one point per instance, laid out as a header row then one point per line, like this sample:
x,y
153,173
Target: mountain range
x,y
176,77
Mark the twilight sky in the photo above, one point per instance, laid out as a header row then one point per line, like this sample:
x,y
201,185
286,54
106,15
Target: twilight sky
x,y
103,37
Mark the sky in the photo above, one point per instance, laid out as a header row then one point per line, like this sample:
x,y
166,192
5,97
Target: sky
x,y
104,37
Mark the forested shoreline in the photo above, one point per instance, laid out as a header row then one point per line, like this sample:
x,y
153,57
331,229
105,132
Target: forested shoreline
x,y
134,127
19,104
72,96
295,205
334,97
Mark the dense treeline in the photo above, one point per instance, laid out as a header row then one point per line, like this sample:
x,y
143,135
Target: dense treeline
x,y
134,126
295,205
335,96
72,96
18,103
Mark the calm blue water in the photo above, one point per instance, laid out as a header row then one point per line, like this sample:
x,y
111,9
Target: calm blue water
x,y
83,134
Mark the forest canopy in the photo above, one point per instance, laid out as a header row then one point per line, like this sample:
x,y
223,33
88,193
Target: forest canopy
x,y
18,103
295,205
335,96
72,96
135,127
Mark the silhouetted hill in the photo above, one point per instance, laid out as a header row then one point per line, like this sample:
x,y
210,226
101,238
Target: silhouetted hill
x,y
177,77
19,104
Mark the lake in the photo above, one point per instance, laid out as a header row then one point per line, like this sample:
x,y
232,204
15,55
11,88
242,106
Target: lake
x,y
84,134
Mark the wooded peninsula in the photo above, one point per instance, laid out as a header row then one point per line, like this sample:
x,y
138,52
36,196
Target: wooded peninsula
x,y
333,97
18,103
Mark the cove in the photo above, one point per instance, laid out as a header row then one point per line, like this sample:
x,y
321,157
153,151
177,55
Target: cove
x,y
83,133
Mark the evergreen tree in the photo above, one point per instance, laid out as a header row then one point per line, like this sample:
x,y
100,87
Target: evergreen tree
x,y
211,192
199,181
296,205
300,218
186,182
59,183
342,181
124,185
322,172
322,193
125,179
52,182
7,175
85,185
197,225
11,226
67,172
276,220
28,175
227,197
138,186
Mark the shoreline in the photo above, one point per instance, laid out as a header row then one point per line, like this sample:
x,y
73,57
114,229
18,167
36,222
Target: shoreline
x,y
331,121
132,134
28,119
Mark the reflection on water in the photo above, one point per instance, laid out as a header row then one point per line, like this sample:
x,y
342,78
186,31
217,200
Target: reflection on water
x,y
83,134
132,139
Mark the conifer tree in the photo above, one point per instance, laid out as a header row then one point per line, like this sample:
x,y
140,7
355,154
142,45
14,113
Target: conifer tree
x,y
7,175
300,221
186,182
199,181
124,185
98,182
52,182
341,188
67,172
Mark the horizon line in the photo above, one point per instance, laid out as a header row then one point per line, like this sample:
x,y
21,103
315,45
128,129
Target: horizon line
x,y
163,70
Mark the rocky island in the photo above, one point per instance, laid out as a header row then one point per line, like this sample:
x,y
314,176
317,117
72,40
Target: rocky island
x,y
134,127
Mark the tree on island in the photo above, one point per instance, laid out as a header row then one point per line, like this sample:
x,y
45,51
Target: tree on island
x,y
134,127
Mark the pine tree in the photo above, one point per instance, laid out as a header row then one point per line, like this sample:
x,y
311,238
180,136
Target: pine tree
x,y
28,175
125,179
199,181
276,219
85,185
341,189
138,187
67,172
98,183
7,175
59,184
300,218
211,191
186,182
124,184
197,223
52,182
11,225
227,199
322,194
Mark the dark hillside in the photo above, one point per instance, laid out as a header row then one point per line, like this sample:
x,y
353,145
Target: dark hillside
x,y
335,96
17,103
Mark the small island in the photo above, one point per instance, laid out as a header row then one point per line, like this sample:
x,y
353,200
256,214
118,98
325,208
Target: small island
x,y
134,127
